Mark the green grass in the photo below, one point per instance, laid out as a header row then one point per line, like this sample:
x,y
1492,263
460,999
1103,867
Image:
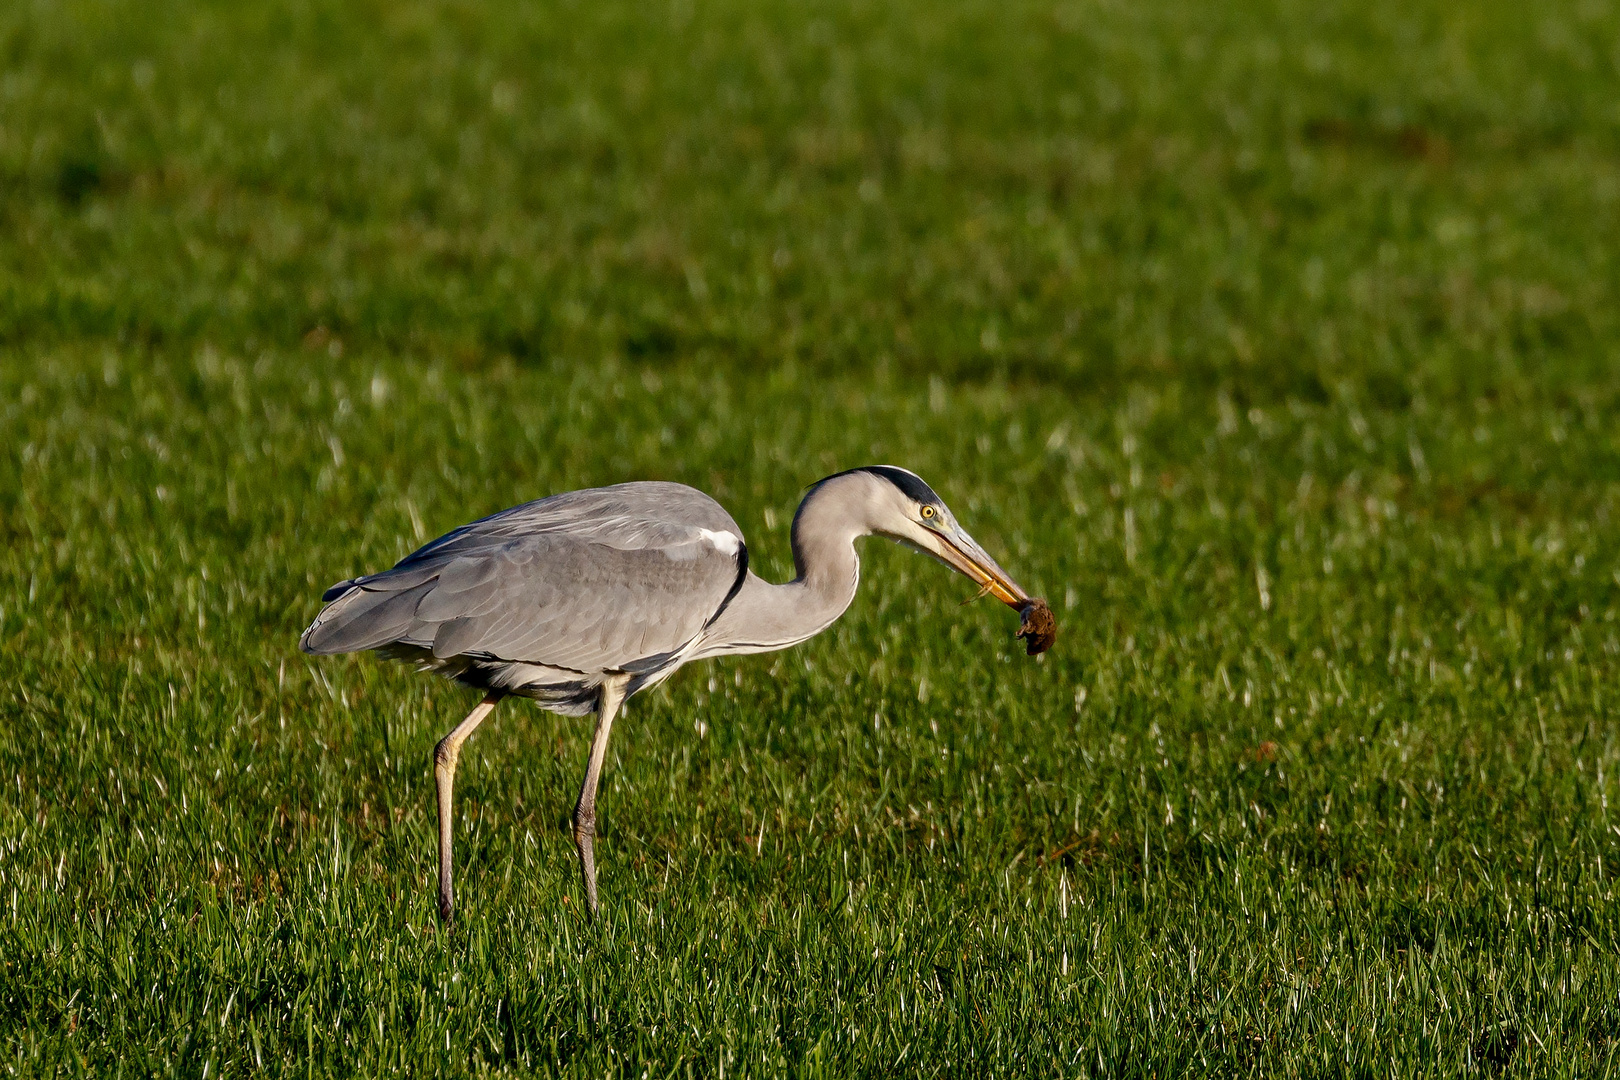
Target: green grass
x,y
1278,344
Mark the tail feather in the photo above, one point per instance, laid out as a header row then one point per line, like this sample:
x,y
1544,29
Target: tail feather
x,y
338,590
361,618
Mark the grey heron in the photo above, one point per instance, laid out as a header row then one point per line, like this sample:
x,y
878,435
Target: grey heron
x,y
582,599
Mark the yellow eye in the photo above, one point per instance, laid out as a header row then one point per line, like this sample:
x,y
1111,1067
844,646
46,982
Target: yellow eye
x,y
928,511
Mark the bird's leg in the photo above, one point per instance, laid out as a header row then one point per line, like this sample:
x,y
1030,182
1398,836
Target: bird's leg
x,y
444,774
607,706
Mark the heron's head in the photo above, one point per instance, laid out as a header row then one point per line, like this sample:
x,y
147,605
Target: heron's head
x,y
900,506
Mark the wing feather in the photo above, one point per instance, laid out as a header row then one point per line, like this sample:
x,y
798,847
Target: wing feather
x,y
588,581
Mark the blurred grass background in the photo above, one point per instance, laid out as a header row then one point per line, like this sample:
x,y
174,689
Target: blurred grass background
x,y
1276,343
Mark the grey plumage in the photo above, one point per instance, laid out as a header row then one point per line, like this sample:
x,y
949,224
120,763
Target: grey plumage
x,y
581,600
541,600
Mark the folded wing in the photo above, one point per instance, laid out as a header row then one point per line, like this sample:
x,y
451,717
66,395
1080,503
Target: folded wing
x,y
608,579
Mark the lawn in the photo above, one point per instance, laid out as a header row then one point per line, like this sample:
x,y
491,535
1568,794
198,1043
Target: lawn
x,y
1277,343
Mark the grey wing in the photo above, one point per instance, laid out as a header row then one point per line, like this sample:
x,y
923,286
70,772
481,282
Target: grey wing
x,y
643,514
612,579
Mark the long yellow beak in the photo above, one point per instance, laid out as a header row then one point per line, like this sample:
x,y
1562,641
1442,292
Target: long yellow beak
x,y
963,554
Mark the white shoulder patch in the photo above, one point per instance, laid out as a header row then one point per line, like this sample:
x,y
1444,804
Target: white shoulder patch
x,y
723,541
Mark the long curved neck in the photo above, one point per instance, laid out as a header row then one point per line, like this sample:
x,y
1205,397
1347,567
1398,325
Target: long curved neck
x,y
763,617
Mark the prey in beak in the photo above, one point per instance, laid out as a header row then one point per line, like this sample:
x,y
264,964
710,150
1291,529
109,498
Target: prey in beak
x,y
959,551
907,510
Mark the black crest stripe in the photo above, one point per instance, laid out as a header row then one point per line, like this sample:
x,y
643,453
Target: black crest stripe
x,y
908,482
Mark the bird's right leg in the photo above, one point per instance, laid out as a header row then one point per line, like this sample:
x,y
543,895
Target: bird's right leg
x,y
607,706
444,775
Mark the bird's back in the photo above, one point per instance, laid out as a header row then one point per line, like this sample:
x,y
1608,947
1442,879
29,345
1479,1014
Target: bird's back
x,y
545,598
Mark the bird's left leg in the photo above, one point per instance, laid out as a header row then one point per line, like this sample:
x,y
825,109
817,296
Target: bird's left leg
x,y
607,706
445,756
